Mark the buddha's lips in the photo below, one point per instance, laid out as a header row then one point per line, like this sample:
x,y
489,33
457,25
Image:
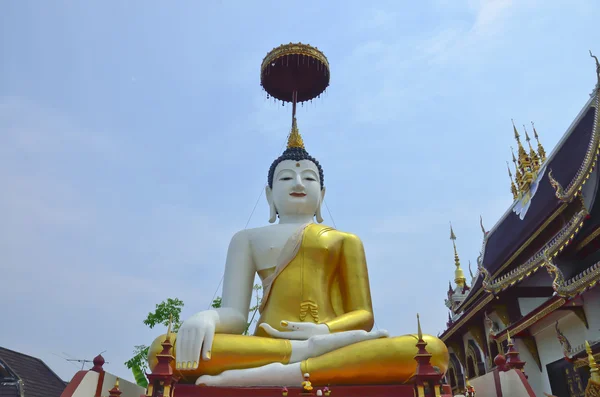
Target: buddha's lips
x,y
298,194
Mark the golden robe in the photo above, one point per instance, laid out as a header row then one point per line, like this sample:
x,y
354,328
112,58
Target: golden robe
x,y
326,282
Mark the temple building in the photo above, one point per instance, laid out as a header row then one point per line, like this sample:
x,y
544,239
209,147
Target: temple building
x,y
537,269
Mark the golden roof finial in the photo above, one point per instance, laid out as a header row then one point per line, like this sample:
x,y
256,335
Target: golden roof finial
x,y
518,174
524,164
459,275
513,187
594,374
597,66
295,139
520,148
508,339
535,160
117,383
481,223
541,151
420,333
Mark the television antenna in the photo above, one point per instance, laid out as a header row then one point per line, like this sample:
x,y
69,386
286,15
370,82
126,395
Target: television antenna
x,y
73,360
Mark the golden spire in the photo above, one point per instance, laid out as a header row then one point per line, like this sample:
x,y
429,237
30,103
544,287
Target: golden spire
x,y
541,151
535,160
524,175
513,187
594,374
419,332
459,275
295,139
508,340
518,174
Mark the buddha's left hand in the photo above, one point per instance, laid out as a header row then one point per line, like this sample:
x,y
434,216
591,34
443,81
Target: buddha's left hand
x,y
296,331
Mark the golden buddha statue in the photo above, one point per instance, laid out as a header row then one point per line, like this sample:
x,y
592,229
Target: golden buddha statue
x,y
316,313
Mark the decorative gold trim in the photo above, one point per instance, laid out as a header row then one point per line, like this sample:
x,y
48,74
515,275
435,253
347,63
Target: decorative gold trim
x,y
502,313
293,49
520,326
459,353
467,317
576,285
455,377
559,211
478,336
588,239
471,353
537,261
583,362
585,170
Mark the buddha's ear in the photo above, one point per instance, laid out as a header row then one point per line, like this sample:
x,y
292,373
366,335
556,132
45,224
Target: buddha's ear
x,y
318,214
272,209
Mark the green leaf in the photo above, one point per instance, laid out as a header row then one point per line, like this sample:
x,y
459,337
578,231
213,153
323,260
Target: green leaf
x,y
139,377
216,303
164,310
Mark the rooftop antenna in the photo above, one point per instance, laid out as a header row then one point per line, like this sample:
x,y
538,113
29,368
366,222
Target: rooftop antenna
x,y
73,360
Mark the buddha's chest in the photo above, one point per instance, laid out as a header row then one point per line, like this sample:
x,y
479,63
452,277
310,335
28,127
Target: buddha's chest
x,y
267,245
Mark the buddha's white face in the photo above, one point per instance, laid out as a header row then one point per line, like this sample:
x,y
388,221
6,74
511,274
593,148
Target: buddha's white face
x,y
296,188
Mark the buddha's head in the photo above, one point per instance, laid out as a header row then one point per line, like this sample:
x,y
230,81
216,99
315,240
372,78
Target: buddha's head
x,y
295,182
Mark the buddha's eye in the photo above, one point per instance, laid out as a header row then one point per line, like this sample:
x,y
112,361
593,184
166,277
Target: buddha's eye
x,y
286,178
310,178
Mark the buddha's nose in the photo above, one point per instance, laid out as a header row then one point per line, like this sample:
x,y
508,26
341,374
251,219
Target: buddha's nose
x,y
298,182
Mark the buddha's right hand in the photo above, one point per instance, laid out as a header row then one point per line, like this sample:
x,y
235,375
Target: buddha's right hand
x,y
195,335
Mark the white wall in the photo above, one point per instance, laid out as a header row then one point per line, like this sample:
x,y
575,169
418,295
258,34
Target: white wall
x,y
571,326
527,305
510,384
89,383
534,375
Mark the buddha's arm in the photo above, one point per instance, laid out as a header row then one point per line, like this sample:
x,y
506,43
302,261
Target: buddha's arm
x,y
355,289
237,286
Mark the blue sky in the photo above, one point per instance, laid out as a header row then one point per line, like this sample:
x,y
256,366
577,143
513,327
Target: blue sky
x,y
135,140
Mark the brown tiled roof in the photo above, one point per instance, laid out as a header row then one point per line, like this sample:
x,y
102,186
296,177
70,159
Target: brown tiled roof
x,y
38,379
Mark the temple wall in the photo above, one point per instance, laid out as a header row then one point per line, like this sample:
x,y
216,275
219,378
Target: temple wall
x,y
550,349
87,385
591,306
129,389
512,385
510,382
535,376
480,356
527,305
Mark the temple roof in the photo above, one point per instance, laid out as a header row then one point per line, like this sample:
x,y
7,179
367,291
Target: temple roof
x,y
38,379
511,232
569,159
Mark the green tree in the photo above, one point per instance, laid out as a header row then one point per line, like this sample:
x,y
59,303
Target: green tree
x,y
164,311
171,308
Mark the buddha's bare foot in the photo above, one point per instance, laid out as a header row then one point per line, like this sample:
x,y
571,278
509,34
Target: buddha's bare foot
x,y
320,344
275,374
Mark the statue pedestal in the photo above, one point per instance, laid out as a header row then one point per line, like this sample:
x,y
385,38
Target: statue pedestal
x,y
336,391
